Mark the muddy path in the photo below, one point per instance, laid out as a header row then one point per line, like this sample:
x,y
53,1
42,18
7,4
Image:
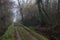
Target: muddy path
x,y
32,36
29,33
17,35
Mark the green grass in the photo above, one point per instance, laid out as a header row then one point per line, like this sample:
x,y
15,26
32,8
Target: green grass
x,y
32,28
9,35
23,34
40,37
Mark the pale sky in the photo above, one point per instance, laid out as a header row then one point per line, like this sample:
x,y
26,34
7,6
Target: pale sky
x,y
16,15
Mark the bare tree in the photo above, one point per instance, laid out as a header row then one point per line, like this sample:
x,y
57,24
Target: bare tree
x,y
20,9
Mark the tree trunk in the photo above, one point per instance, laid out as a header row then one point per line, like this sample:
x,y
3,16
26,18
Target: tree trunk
x,y
20,9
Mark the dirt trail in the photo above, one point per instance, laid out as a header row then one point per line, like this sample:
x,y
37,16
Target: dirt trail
x,y
33,37
17,35
30,34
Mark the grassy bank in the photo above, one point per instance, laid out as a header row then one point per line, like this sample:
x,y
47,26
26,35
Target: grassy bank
x,y
9,34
